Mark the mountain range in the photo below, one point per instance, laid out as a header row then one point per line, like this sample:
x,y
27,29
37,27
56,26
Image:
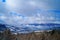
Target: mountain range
x,y
27,28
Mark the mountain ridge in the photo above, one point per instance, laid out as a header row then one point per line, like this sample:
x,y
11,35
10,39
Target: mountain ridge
x,y
30,28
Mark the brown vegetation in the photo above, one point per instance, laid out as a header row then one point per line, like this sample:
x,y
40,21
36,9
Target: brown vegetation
x,y
52,35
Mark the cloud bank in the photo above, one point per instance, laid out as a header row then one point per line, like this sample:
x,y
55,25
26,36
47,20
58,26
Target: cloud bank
x,y
16,12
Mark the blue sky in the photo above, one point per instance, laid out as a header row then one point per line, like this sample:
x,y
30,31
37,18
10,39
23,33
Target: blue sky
x,y
16,12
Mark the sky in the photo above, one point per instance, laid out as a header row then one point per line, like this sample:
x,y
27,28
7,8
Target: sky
x,y
16,12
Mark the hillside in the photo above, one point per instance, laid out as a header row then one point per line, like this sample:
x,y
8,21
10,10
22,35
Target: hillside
x,y
51,35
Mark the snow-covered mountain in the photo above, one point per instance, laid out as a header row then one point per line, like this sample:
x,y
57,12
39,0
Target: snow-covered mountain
x,y
28,28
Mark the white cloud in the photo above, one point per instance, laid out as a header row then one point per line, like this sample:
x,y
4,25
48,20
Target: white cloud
x,y
17,20
30,7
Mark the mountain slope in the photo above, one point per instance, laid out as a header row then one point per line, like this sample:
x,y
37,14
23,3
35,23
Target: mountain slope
x,y
2,27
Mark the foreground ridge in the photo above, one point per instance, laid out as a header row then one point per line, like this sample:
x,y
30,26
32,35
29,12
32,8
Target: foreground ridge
x,y
51,35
